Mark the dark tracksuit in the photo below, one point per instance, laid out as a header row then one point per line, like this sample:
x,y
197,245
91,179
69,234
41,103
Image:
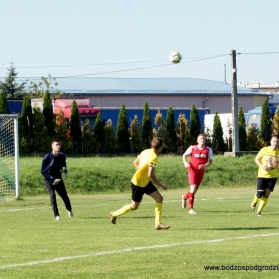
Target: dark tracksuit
x,y
51,170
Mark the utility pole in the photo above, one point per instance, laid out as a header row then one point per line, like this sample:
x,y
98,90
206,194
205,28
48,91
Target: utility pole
x,y
235,138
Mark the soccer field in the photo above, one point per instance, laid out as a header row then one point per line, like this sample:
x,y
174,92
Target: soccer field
x,y
225,234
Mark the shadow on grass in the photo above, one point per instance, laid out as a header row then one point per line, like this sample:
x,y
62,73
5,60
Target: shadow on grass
x,y
39,203
244,229
131,217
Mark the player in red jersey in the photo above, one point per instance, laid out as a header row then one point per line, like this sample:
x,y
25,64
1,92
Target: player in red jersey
x,y
201,157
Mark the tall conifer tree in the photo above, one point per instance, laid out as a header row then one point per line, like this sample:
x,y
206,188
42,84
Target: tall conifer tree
x,y
4,108
27,116
122,131
265,130
98,131
195,125
242,130
26,127
48,114
10,87
146,126
217,135
171,139
40,131
75,128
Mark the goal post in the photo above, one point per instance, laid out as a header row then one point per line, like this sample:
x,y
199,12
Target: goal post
x,y
9,157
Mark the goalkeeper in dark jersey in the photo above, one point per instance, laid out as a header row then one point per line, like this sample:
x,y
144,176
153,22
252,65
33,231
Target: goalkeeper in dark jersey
x,y
53,165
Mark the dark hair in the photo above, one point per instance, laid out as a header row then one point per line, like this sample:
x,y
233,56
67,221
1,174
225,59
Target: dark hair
x,y
55,140
157,143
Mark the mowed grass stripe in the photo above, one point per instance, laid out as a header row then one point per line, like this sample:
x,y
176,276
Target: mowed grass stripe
x,y
136,249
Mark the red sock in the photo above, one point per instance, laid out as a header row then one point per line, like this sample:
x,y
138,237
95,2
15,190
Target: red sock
x,y
186,197
191,200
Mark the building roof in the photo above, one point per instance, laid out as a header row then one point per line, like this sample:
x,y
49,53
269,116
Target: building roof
x,y
166,86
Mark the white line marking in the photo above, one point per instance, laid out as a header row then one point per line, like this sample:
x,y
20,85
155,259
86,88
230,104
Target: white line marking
x,y
99,205
134,249
16,209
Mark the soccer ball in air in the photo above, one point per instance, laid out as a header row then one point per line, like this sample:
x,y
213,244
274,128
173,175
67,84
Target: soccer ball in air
x,y
175,57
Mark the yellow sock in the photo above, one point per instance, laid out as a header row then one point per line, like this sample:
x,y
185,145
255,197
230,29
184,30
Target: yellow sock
x,y
255,200
121,211
158,213
262,204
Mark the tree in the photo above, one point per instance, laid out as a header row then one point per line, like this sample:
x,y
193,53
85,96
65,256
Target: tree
x,y
242,130
27,116
26,124
183,133
63,133
195,126
41,136
265,133
75,128
98,131
275,123
135,135
90,145
122,131
217,135
253,142
4,108
48,114
110,139
171,137
160,124
10,86
146,126
228,139
45,84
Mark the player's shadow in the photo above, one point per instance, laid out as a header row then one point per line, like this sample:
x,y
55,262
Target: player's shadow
x,y
224,211
244,229
39,203
126,217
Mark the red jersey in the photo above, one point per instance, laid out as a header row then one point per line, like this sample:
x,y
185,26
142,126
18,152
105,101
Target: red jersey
x,y
199,156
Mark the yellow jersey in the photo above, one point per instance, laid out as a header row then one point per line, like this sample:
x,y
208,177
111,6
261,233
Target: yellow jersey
x,y
147,158
266,155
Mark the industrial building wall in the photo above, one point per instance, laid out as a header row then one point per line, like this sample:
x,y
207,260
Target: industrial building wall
x,y
215,103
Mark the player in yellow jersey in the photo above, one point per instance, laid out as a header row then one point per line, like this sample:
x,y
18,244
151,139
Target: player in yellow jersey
x,y
267,159
142,183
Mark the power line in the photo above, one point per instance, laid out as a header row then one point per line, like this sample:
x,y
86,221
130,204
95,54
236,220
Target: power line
x,y
192,59
142,68
259,53
116,63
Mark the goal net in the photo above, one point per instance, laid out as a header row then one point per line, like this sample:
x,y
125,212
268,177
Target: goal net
x,y
9,157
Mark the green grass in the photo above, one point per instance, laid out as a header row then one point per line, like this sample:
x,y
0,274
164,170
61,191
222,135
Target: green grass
x,y
91,175
224,232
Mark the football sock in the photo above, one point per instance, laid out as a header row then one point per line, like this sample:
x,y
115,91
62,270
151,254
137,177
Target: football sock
x,y
191,200
262,204
123,210
255,200
186,197
158,213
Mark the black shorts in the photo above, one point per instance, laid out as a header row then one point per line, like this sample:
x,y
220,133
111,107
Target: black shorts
x,y
138,192
266,183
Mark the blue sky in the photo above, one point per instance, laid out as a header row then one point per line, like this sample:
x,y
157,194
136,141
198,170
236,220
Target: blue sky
x,y
93,37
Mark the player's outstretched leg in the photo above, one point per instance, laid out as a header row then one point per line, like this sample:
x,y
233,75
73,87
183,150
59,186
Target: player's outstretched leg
x,y
121,211
254,202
